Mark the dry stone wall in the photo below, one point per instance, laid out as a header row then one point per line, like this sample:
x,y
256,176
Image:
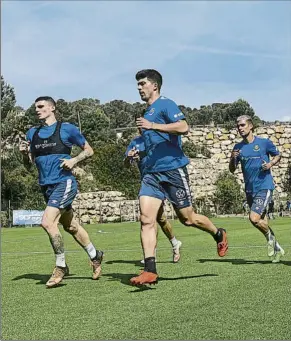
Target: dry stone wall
x,y
220,142
112,206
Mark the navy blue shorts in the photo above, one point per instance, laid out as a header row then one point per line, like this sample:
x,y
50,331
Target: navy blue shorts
x,y
60,195
172,184
258,202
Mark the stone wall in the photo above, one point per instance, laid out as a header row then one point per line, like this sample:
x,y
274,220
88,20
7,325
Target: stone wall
x,y
111,206
220,142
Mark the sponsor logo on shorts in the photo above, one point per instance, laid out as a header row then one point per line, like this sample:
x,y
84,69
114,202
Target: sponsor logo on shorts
x,y
54,201
180,194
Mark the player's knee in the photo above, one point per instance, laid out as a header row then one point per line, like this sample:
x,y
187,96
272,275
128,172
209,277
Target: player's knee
x,y
46,224
162,221
71,226
192,220
254,220
147,222
72,229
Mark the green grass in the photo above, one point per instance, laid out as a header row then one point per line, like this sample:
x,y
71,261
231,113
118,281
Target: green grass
x,y
240,297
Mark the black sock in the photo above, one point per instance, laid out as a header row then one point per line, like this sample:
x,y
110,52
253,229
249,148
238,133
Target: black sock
x,y
218,235
99,255
150,264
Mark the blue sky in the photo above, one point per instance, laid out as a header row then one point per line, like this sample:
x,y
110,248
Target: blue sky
x,y
207,51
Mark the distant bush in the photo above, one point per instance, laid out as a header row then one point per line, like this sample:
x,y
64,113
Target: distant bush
x,y
228,197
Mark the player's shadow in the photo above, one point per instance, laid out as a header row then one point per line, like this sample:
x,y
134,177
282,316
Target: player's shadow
x,y
121,261
43,278
240,261
133,262
124,279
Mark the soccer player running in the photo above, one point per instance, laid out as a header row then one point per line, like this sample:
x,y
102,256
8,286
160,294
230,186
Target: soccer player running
x,y
135,152
49,147
165,172
254,155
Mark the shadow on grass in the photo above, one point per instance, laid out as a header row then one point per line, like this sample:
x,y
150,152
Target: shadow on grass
x,y
124,279
134,262
243,261
121,261
42,279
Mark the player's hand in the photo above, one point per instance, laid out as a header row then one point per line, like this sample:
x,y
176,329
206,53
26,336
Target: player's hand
x,y
235,153
68,164
266,166
143,123
24,147
133,154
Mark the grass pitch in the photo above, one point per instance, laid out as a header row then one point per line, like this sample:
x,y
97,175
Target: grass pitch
x,y
242,296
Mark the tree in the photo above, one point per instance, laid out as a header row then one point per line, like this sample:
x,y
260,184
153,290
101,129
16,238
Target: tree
x,y
95,126
8,98
192,150
111,173
228,196
239,108
18,185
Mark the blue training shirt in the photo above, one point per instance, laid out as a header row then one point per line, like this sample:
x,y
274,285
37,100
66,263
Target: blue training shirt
x,y
251,157
48,166
138,143
164,150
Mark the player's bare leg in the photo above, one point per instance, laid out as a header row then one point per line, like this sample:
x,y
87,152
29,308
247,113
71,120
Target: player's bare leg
x,y
82,238
49,223
188,217
262,224
149,207
168,231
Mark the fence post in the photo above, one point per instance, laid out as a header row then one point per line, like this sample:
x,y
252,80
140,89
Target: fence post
x,y
9,213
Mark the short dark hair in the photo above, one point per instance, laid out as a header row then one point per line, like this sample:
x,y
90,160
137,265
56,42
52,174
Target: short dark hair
x,y
46,98
152,75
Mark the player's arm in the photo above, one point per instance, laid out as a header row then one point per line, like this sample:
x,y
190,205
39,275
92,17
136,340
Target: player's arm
x,y
233,163
131,155
272,163
175,121
179,128
86,152
273,151
24,149
76,138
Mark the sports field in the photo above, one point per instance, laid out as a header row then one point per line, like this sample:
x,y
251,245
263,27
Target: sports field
x,y
242,296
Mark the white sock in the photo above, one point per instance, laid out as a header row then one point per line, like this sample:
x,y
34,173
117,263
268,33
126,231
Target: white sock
x,y
269,236
60,260
277,246
91,251
174,241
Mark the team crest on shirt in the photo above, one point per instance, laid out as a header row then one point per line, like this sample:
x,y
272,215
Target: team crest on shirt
x,y
151,111
256,148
